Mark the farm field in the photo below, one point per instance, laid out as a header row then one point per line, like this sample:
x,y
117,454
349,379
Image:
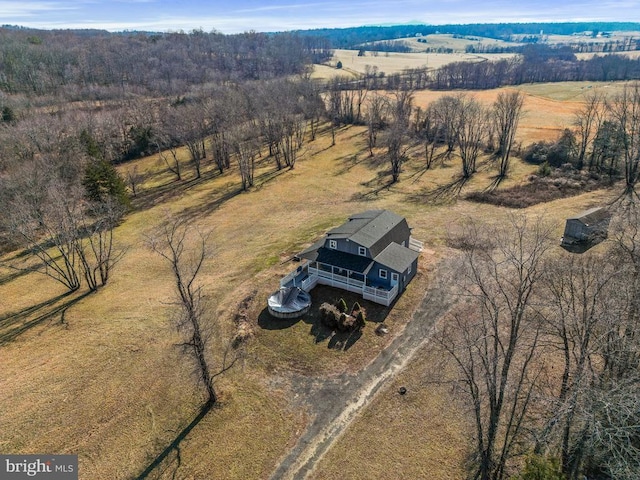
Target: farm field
x,y
393,62
100,375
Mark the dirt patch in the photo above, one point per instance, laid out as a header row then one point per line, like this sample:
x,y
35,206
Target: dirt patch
x,y
336,401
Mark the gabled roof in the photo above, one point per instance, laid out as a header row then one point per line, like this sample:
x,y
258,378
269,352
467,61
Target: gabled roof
x,y
373,229
592,216
396,257
381,231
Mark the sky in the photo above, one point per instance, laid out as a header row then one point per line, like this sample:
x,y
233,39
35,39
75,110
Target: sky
x,y
235,16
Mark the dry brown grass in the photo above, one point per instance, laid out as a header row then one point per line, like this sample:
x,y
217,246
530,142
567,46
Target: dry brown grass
x,y
446,40
109,383
394,62
421,434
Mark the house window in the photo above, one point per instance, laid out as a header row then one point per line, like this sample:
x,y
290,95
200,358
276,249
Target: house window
x,y
394,277
409,269
362,251
383,273
333,244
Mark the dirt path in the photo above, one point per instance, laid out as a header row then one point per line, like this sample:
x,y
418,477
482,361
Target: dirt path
x,y
335,402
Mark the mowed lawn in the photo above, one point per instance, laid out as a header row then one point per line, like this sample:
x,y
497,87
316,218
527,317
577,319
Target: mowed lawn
x,y
104,378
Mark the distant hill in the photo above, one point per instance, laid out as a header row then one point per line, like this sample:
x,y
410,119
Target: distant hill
x,y
355,36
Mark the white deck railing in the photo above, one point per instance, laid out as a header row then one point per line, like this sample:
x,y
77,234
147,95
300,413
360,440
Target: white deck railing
x,y
318,276
289,277
335,278
416,245
378,295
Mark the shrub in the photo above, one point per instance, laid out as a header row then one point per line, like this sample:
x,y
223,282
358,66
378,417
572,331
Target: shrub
x,y
345,322
8,116
555,153
334,319
541,468
339,65
329,315
545,169
341,305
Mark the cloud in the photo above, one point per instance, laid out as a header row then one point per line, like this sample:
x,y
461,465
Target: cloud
x,y
14,9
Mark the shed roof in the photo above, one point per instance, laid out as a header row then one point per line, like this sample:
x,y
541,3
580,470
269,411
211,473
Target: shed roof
x,y
592,216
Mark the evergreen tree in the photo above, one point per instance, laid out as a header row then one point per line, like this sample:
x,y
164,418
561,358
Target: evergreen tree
x,y
102,183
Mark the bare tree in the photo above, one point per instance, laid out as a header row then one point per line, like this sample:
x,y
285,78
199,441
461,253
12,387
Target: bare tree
x,y
587,122
493,335
173,243
507,110
168,140
134,179
428,131
172,163
398,132
95,246
625,112
580,302
447,113
245,147
592,318
289,145
471,133
44,219
71,236
191,131
376,112
312,105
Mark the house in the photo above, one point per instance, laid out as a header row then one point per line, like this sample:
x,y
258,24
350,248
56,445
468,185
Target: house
x,y
372,253
588,228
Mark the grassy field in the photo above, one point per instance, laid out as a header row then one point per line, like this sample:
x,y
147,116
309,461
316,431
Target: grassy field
x,y
456,43
393,62
102,377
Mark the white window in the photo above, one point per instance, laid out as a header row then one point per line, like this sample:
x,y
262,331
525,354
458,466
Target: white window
x,y
394,277
409,269
383,273
333,244
362,251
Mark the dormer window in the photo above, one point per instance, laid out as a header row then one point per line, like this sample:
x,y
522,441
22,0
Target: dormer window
x,y
362,251
333,244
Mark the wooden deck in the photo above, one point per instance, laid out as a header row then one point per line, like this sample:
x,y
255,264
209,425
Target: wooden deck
x,y
308,277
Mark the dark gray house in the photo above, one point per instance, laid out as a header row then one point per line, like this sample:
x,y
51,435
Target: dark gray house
x,y
589,227
372,253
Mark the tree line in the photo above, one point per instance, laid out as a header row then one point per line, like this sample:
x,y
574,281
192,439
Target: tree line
x,y
534,64
454,126
351,38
